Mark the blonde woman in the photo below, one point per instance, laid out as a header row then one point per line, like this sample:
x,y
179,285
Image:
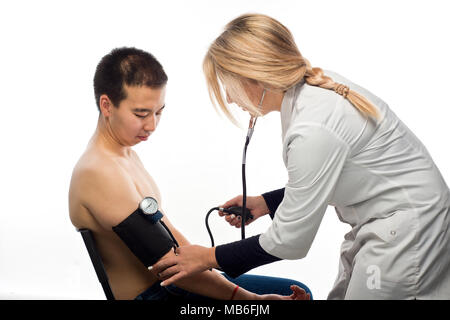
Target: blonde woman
x,y
342,146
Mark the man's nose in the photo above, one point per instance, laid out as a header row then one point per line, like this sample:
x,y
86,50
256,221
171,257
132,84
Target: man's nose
x,y
150,124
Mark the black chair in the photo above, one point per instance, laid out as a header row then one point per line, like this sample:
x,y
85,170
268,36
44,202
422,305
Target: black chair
x,y
97,262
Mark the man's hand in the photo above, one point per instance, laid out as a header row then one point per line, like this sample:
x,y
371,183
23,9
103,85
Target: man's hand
x,y
188,260
297,294
257,206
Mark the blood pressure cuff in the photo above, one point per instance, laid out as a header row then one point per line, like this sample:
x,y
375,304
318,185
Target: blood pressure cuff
x,y
148,240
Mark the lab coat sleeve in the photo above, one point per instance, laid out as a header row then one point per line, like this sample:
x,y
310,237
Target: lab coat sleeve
x,y
315,157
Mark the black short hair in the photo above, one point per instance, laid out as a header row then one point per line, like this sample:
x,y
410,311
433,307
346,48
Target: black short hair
x,y
126,66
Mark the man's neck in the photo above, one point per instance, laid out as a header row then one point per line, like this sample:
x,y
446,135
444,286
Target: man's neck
x,y
105,140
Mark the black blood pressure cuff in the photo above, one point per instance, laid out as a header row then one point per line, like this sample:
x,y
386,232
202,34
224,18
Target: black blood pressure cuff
x,y
273,200
148,239
236,258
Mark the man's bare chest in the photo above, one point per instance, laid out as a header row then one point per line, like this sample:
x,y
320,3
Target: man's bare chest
x,y
143,182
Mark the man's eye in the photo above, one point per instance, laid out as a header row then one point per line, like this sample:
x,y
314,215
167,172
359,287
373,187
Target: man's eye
x,y
140,116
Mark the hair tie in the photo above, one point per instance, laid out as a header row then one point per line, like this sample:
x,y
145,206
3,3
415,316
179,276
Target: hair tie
x,y
342,89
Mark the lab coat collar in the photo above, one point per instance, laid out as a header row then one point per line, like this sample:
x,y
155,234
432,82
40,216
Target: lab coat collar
x,y
287,106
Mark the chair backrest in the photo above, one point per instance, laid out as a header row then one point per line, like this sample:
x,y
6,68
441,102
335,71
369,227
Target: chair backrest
x,y
97,262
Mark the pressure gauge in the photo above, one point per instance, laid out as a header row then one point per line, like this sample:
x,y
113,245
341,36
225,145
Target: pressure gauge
x,y
149,205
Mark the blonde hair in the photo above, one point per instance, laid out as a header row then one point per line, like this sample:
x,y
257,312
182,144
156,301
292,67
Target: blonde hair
x,y
258,48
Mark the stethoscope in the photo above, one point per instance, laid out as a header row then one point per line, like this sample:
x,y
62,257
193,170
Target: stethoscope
x,y
242,212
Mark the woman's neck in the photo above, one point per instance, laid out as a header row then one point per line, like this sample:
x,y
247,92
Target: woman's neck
x,y
272,101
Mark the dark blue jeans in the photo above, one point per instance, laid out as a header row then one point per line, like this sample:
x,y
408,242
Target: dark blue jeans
x,y
253,283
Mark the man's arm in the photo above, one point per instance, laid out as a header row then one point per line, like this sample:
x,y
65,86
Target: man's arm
x,y
111,197
208,283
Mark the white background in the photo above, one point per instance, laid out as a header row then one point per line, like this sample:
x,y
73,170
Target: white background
x,y
399,50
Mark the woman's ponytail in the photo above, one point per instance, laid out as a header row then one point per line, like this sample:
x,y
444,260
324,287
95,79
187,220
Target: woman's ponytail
x,y
316,77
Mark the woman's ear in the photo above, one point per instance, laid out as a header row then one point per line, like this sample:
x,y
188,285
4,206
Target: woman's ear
x,y
105,105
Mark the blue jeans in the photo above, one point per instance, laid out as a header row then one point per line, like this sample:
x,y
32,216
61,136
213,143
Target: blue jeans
x,y
253,283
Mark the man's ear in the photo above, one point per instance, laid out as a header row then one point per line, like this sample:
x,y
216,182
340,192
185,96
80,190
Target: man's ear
x,y
105,105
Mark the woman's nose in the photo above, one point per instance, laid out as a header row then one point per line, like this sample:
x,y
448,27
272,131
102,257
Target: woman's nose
x,y
229,99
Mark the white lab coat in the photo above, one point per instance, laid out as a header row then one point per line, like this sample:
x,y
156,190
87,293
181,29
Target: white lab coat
x,y
381,180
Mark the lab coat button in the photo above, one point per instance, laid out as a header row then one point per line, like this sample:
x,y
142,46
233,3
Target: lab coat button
x,y
393,233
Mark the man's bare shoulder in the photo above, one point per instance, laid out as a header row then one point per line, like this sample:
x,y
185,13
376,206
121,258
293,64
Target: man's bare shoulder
x,y
90,168
94,165
103,187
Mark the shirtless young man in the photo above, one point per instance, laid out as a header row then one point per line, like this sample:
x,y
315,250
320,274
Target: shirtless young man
x,y
109,180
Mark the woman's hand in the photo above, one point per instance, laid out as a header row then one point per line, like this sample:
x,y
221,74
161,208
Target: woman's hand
x,y
257,206
188,260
